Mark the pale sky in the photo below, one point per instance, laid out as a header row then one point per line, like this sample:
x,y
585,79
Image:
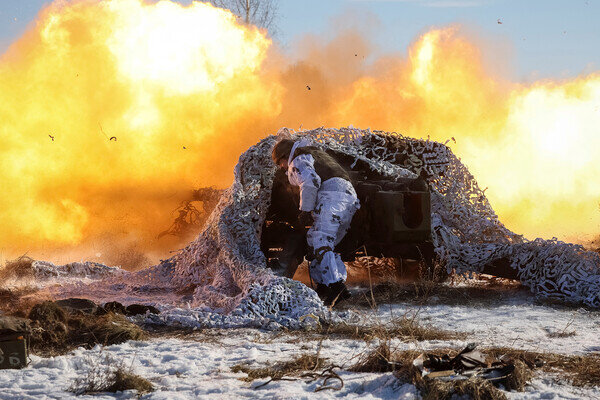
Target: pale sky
x,y
536,38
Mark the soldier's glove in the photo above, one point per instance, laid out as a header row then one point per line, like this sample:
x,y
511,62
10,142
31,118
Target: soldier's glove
x,y
305,218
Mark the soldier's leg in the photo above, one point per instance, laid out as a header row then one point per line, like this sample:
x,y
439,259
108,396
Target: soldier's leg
x,y
327,267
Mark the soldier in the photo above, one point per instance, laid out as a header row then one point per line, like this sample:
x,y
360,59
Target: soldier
x,y
327,202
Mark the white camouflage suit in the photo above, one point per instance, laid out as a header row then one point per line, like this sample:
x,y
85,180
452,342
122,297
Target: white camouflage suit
x,y
332,203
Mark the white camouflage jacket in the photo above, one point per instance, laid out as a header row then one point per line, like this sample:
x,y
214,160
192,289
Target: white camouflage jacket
x,y
301,172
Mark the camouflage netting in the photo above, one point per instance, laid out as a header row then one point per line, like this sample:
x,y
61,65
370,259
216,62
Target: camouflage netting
x,y
226,271
226,262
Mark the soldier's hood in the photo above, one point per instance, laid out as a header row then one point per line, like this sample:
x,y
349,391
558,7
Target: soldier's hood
x,y
299,143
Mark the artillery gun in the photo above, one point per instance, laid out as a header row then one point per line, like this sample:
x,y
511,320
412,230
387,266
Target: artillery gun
x,y
394,221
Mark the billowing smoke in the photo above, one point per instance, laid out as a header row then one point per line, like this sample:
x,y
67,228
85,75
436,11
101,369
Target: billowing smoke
x,y
112,112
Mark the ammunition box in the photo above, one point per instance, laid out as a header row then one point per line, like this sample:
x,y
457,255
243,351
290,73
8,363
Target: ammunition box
x,y
401,216
13,353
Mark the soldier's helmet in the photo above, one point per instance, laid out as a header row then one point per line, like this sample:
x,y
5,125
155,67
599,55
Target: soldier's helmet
x,y
282,150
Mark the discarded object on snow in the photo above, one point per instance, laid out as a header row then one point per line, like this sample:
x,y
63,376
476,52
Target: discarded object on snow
x,y
14,333
467,364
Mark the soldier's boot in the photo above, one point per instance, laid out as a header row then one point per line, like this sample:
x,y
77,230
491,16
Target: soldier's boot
x,y
322,291
337,292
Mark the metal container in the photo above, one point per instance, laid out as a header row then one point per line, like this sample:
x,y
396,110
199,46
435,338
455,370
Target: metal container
x,y
401,216
13,352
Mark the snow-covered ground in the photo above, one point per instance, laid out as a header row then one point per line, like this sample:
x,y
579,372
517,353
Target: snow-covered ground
x,y
199,365
522,326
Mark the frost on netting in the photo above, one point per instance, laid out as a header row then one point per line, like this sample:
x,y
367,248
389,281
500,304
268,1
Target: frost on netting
x,y
225,273
466,232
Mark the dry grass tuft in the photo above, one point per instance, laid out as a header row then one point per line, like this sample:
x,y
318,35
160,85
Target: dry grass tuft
x,y
377,360
424,291
17,301
127,380
106,374
128,256
20,268
519,377
56,332
47,312
562,334
306,362
410,329
476,389
405,328
109,329
580,370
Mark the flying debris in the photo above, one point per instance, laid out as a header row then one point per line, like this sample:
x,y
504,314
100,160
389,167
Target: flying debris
x,y
184,147
499,22
113,138
308,87
454,140
51,137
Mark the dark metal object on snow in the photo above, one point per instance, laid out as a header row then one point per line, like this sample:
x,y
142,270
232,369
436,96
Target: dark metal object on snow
x,y
14,333
469,363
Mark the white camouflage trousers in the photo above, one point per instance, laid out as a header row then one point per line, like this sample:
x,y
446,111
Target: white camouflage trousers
x,y
336,204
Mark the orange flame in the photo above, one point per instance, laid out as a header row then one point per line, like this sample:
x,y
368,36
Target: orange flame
x,y
108,113
533,146
182,91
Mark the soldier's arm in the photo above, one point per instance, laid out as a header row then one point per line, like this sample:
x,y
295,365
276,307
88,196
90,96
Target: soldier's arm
x,y
302,173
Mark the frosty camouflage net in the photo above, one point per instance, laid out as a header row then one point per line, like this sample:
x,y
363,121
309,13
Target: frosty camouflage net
x,y
226,262
227,271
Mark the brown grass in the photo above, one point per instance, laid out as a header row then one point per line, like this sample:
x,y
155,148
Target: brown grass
x,y
17,301
126,380
519,377
404,328
476,389
106,374
47,312
17,269
562,334
106,329
579,370
303,363
594,244
423,291
56,332
377,360
383,359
